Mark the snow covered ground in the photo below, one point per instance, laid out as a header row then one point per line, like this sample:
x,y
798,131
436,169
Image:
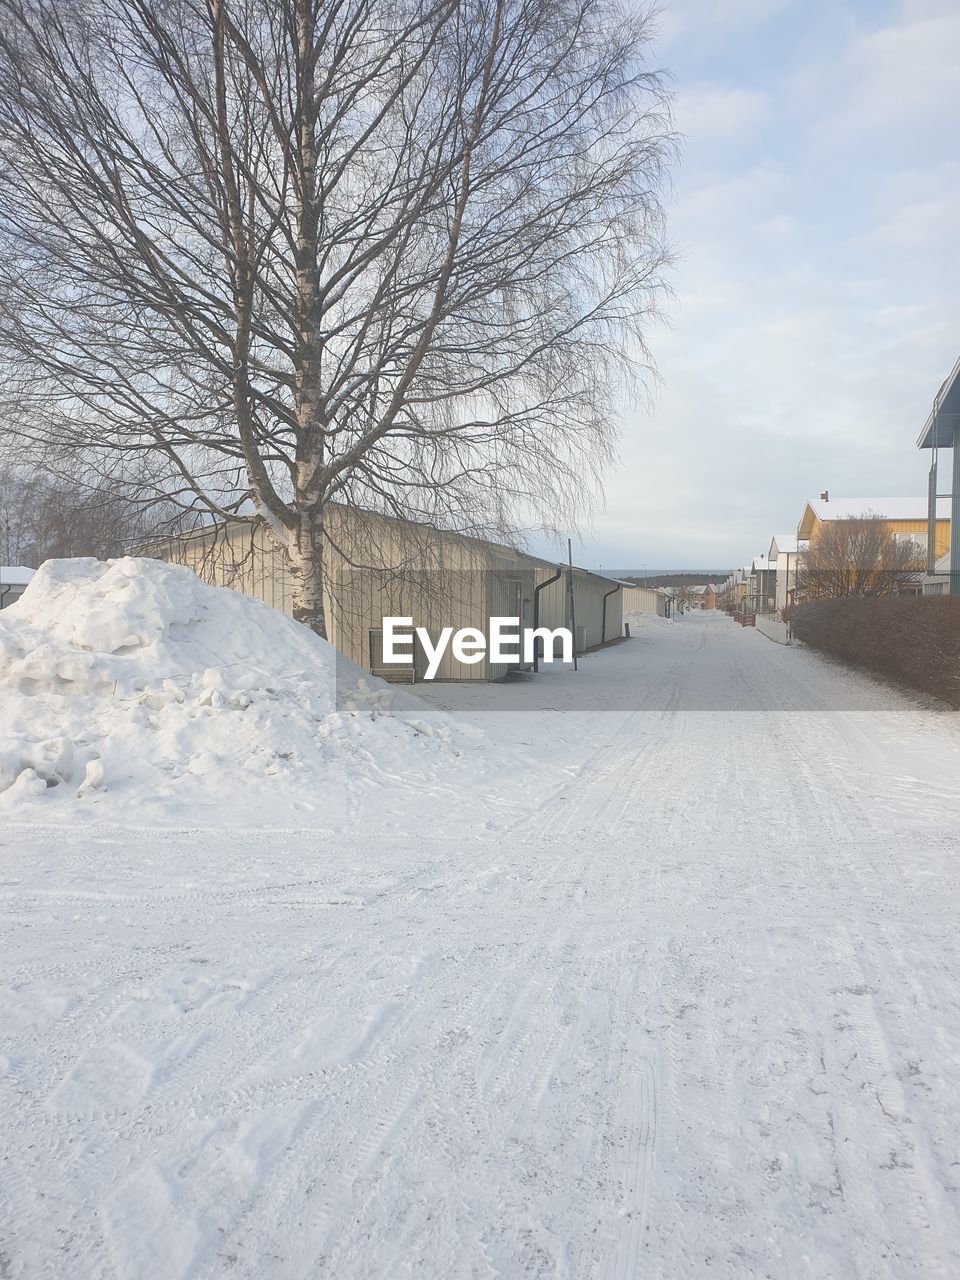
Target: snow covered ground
x,y
676,994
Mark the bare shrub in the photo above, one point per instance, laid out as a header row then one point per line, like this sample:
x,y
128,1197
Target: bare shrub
x,y
858,557
913,640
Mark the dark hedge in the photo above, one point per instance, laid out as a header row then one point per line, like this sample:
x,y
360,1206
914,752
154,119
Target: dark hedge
x,y
912,639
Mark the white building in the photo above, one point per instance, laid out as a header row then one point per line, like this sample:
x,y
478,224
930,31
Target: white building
x,y
13,583
938,582
784,556
764,592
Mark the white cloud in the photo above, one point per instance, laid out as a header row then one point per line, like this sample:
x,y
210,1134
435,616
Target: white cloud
x,y
710,113
683,18
920,225
899,83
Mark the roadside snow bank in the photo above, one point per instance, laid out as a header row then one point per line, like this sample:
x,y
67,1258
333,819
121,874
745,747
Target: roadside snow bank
x,y
641,621
133,686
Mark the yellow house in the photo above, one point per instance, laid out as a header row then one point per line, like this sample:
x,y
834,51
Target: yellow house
x,y
906,518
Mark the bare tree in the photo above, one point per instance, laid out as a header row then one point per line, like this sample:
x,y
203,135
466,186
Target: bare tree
x,y
681,597
858,557
311,251
45,516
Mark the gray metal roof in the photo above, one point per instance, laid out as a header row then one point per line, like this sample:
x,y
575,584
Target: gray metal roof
x,y
944,416
884,508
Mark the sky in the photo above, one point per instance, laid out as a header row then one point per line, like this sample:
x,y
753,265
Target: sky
x,y
816,218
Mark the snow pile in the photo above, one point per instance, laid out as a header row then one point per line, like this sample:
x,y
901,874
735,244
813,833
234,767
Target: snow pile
x,y
133,686
642,621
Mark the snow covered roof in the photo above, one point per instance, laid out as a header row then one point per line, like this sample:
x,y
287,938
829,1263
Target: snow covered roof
x,y
15,575
782,544
888,508
761,563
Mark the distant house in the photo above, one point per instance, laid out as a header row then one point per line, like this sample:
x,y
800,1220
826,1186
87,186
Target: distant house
x,y
703,597
736,594
765,585
728,591
785,556
744,588
13,583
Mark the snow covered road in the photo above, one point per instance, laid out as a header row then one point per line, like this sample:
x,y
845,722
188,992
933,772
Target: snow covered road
x,y
695,1010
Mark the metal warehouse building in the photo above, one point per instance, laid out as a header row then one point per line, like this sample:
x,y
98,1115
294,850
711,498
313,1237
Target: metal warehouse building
x,y
399,569
637,599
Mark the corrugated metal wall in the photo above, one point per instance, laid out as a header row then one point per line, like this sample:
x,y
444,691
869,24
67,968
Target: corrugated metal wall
x,y
438,579
588,592
641,600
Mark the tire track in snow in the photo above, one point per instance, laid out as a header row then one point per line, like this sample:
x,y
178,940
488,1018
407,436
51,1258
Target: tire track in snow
x,y
905,1179
639,1118
598,782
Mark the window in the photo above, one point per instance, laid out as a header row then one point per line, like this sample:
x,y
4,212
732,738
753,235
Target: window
x,y
919,541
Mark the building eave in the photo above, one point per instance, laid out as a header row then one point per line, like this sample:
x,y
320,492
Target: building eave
x,y
944,416
808,522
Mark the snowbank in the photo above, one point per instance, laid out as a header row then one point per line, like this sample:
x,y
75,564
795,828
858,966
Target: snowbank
x,y
132,687
642,621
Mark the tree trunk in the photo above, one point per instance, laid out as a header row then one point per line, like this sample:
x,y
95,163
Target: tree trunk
x,y
305,553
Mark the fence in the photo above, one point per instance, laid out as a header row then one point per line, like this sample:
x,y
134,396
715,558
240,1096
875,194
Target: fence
x,y
773,628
